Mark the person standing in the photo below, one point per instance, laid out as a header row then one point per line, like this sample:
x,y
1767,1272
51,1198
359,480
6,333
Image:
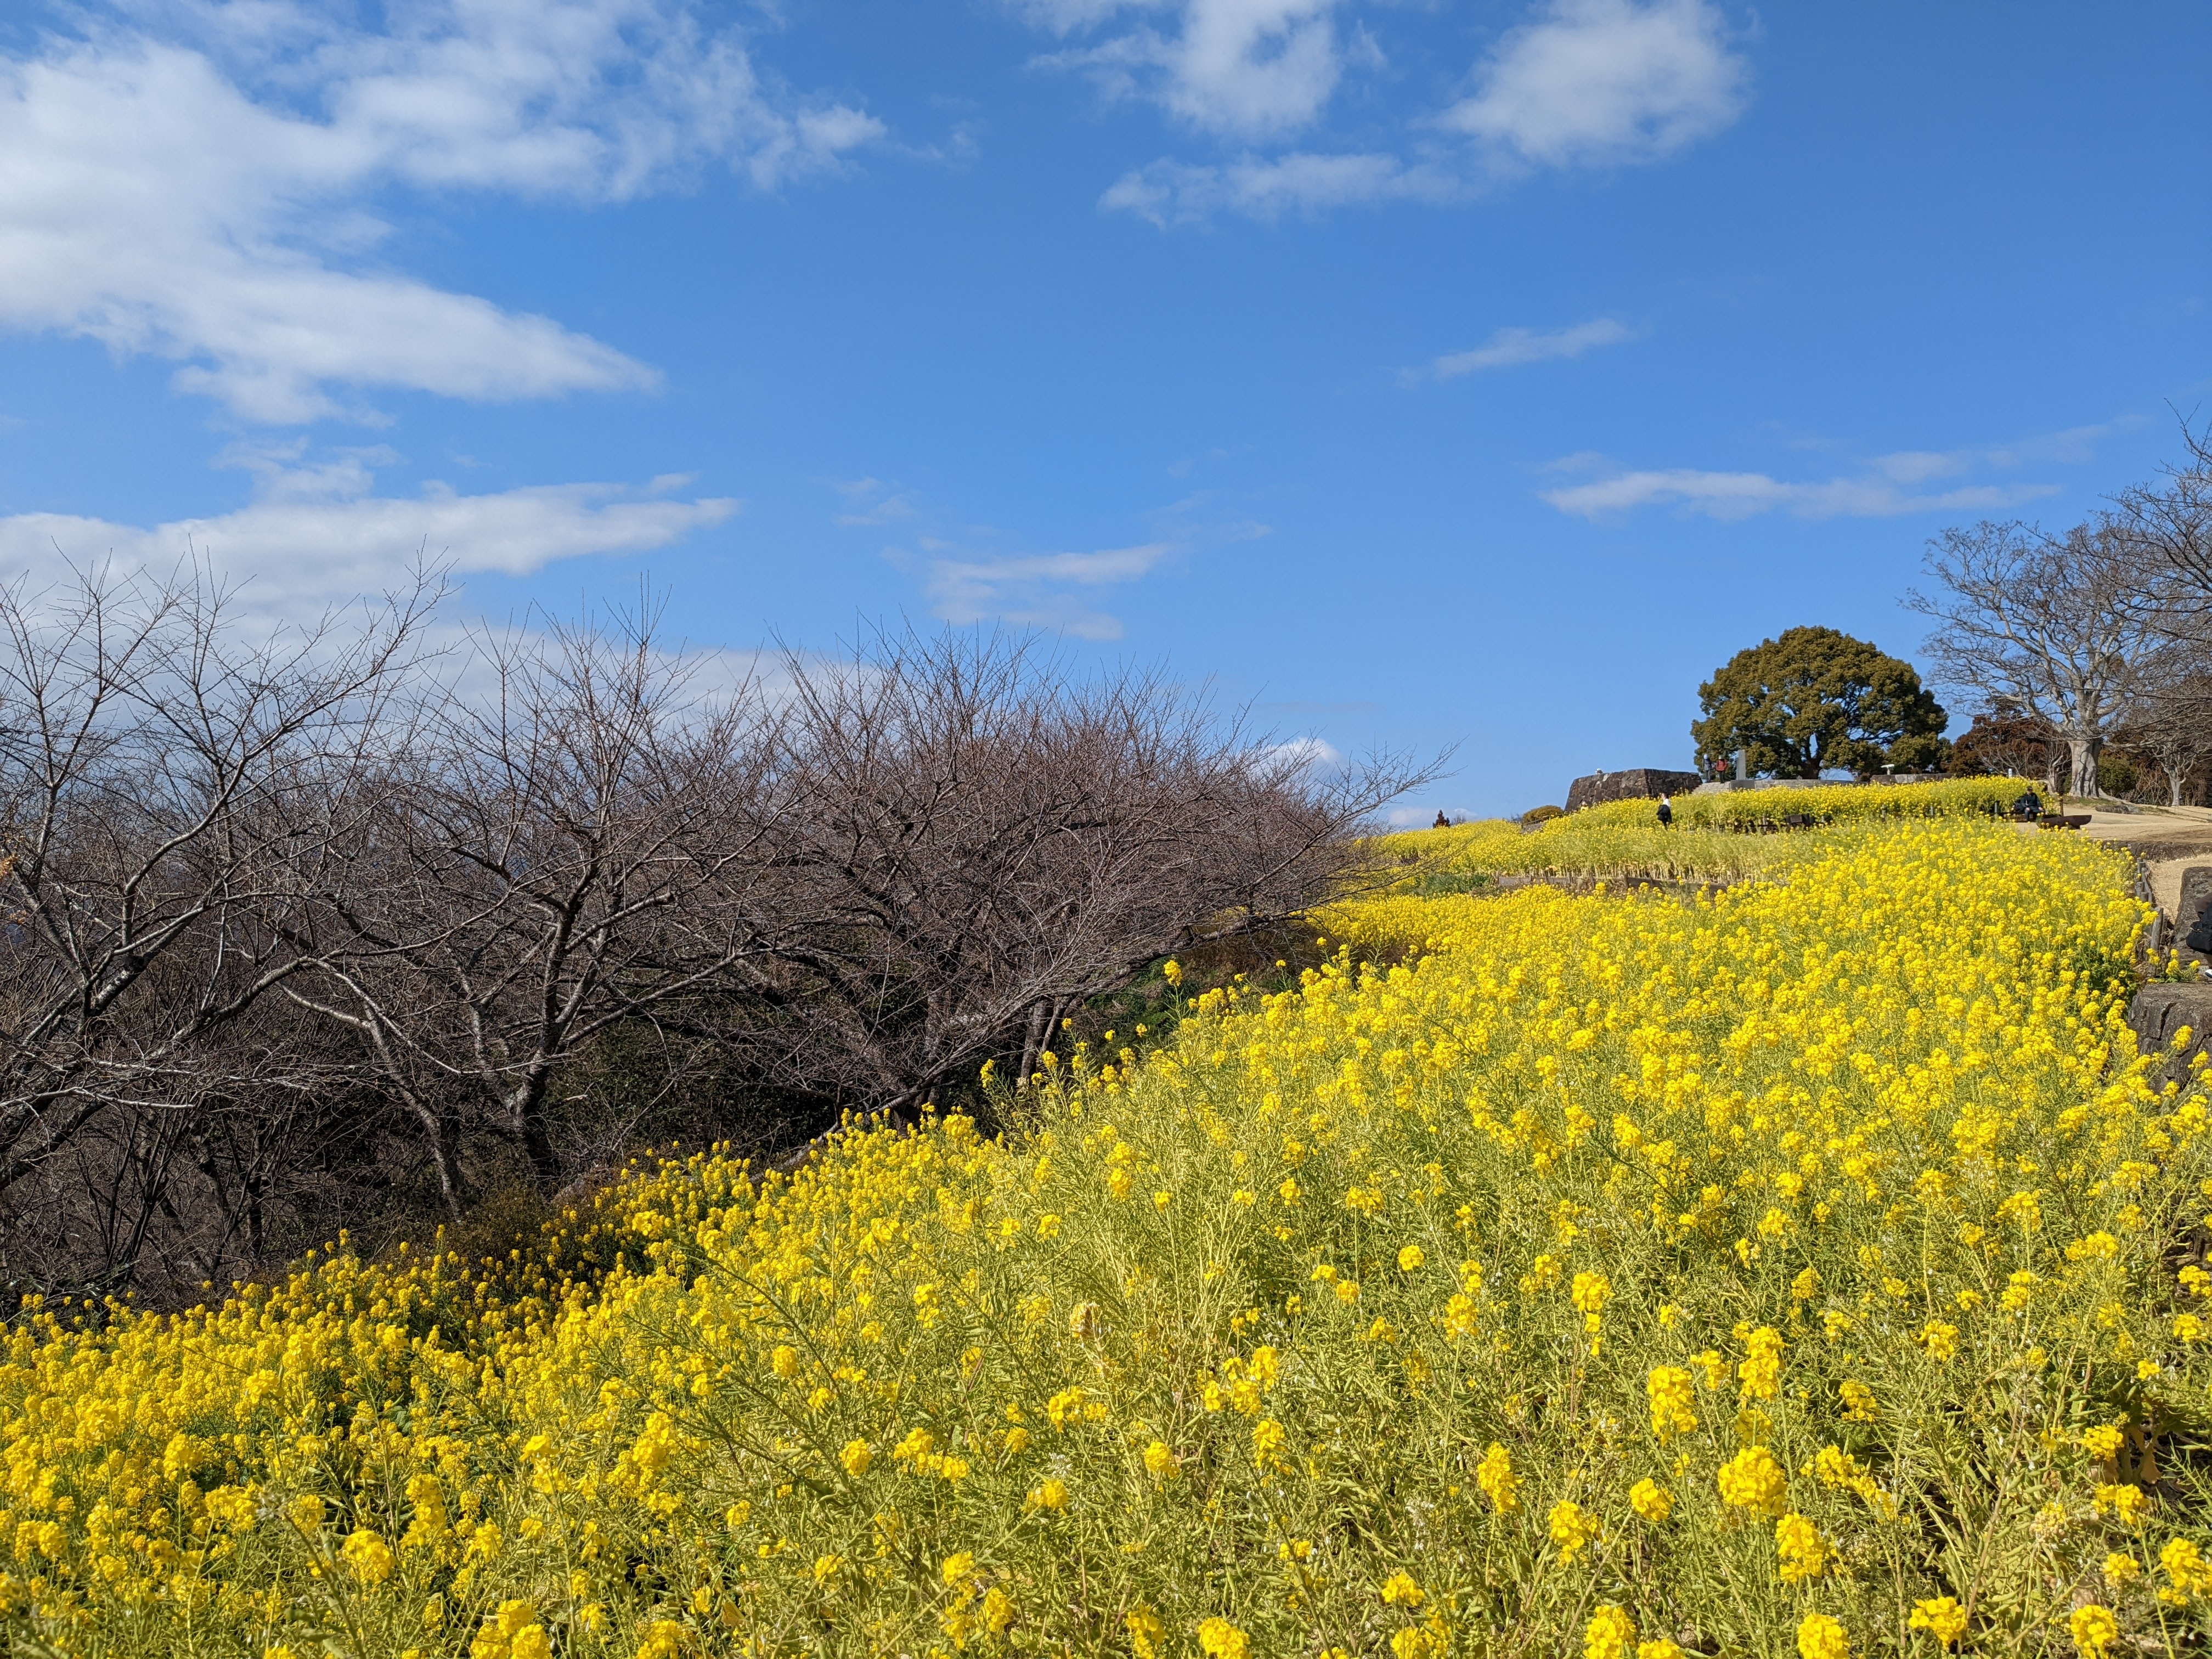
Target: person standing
x,y
1666,813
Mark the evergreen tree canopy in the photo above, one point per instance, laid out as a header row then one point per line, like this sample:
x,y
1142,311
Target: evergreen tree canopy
x,y
1816,700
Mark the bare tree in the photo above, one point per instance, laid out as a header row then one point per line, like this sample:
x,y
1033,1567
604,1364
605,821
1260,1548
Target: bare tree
x,y
2174,724
164,774
2042,625
2166,527
977,840
297,918
565,848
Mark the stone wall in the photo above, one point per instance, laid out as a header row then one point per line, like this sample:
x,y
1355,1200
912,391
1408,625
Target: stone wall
x,y
1638,783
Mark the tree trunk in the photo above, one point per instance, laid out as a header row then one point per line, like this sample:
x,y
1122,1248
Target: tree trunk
x,y
442,1135
2085,753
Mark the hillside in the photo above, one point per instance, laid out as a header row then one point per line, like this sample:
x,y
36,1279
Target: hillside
x,y
1811,1265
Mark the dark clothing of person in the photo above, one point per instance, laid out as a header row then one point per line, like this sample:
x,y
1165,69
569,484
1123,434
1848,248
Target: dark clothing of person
x,y
1666,816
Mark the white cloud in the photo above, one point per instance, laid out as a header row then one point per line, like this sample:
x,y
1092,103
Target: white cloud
x,y
2072,446
313,535
1745,494
1247,68
1308,755
1598,81
199,193
1043,590
1511,347
870,501
1176,193
1585,83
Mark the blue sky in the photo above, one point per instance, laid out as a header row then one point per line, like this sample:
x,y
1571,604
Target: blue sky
x,y
1418,374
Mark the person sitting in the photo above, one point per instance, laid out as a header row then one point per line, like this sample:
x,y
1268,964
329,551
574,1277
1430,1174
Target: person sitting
x,y
2028,806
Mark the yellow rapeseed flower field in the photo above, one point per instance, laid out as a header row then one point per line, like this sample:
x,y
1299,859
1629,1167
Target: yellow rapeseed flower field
x,y
1806,1269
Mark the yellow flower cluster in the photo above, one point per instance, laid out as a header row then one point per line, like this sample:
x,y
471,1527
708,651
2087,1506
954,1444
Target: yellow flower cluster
x,y
1880,1214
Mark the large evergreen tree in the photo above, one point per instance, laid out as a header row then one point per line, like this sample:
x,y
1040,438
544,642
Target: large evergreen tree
x,y
1814,701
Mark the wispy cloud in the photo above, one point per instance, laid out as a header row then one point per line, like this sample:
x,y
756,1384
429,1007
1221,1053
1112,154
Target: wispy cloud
x,y
1041,590
197,187
1511,347
1746,494
967,572
316,535
1177,193
1887,485
870,501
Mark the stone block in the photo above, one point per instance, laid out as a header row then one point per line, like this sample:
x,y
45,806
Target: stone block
x,y
2157,1012
2192,916
1638,783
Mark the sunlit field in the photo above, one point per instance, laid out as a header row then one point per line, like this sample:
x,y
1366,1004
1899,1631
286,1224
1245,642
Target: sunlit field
x,y
1808,1267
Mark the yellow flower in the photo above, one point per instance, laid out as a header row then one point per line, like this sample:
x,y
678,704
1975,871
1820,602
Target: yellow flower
x,y
1941,1340
1650,1500
1664,1648
2126,1504
1160,1461
1673,1402
997,1610
1411,1259
369,1556
856,1458
1858,1402
1219,1639
2094,1629
1610,1634
1941,1617
1752,1480
2121,1571
1146,1632
959,1567
1819,1637
1798,1544
2188,1573
1571,1529
1053,1494
1761,1373
784,1362
1494,1474
2104,1440
1266,1440
1399,1590
1590,1293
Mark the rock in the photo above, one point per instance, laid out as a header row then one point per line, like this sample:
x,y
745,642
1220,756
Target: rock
x,y
1638,783
2192,917
2159,1010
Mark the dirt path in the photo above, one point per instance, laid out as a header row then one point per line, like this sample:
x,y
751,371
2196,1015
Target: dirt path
x,y
2169,839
